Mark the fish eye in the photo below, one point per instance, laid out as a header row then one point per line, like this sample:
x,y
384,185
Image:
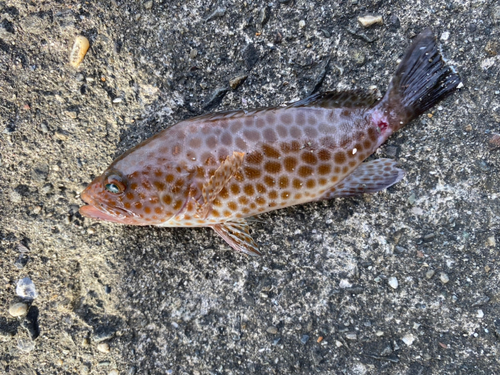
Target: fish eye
x,y
114,184
113,188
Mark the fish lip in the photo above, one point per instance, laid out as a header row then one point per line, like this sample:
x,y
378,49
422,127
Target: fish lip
x,y
93,212
100,211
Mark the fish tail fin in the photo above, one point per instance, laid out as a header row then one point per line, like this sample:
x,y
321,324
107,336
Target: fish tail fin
x,y
422,80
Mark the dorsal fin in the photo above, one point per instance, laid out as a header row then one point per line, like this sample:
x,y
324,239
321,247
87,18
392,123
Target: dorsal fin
x,y
338,99
226,115
329,99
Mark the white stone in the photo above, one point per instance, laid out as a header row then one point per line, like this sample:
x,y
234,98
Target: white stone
x,y
408,339
103,347
368,21
26,289
18,309
444,278
344,284
393,282
491,241
445,36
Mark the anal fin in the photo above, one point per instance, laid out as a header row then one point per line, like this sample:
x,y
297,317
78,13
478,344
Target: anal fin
x,y
237,234
369,177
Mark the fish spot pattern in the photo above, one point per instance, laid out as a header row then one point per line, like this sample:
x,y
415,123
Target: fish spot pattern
x,y
291,155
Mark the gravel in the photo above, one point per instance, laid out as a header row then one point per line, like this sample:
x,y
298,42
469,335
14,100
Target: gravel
x,y
18,309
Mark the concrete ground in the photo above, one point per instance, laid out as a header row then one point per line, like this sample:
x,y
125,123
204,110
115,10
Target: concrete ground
x,y
405,281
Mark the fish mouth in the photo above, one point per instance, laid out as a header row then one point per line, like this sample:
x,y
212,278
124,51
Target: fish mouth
x,y
99,211
93,212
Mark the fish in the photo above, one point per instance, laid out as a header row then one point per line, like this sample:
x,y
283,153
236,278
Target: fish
x,y
218,169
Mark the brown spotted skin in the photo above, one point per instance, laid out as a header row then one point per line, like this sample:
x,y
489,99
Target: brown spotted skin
x,y
292,155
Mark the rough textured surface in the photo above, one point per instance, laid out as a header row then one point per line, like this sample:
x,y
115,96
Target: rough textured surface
x,y
179,300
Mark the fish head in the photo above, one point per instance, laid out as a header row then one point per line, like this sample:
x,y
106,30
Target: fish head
x,y
142,197
106,199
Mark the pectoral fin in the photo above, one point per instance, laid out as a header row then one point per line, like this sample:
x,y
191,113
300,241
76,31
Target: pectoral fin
x,y
237,234
369,177
220,178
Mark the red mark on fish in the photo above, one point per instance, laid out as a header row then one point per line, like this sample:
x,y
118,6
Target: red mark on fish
x,y
218,169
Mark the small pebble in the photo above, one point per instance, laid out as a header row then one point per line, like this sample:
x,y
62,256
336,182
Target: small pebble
x,y
102,334
18,309
480,314
26,289
219,12
103,347
445,36
351,336
85,342
113,372
237,81
429,274
91,231
302,24
148,5
368,21
85,370
393,282
444,278
79,50
25,345
272,330
304,339
15,197
193,53
358,57
495,140
491,241
47,189
60,136
408,339
492,48
117,100
263,16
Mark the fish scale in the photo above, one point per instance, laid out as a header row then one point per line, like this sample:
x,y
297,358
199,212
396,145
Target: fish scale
x,y
218,169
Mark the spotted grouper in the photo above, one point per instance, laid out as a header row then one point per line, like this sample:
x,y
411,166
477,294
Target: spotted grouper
x,y
218,169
